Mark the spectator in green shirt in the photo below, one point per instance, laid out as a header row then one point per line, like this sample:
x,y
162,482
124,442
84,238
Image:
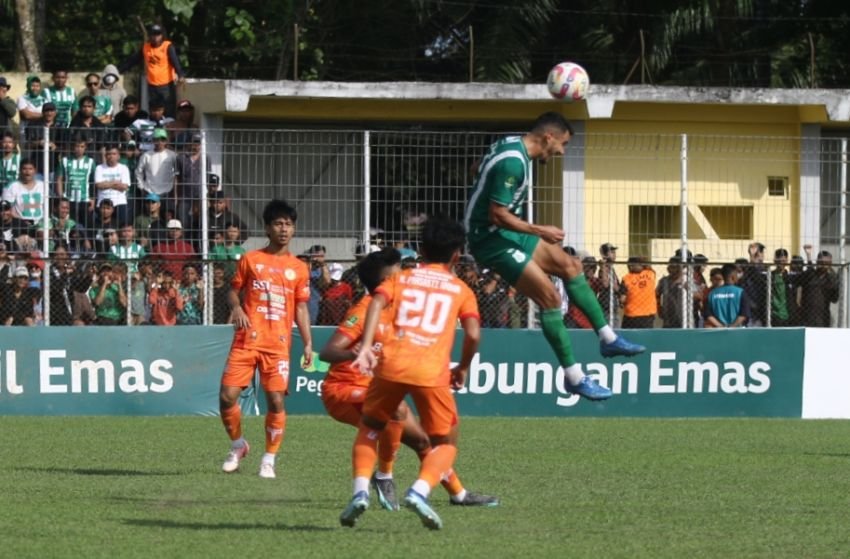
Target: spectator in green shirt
x,y
227,247
108,297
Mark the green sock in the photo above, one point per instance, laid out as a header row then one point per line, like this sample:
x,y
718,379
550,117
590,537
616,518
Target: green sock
x,y
582,296
552,323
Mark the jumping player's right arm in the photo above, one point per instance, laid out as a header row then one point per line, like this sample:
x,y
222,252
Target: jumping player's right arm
x,y
502,217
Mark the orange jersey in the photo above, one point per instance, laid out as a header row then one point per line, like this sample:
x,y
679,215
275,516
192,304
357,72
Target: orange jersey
x,y
352,327
271,286
426,304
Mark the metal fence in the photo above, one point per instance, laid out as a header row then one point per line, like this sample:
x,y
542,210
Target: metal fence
x,y
199,194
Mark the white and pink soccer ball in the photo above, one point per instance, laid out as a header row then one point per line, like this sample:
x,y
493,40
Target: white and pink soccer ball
x,y
568,82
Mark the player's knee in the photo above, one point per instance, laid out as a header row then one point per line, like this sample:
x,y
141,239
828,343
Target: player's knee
x,y
416,441
372,423
275,401
227,397
437,440
573,266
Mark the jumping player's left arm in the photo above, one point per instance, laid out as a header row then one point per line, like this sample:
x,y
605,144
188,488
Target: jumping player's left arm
x,y
471,323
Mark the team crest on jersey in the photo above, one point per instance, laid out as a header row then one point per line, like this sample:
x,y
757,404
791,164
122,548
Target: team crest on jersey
x,y
352,320
289,274
510,182
260,268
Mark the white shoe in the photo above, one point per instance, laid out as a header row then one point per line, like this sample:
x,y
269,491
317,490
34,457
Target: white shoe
x,y
267,470
231,463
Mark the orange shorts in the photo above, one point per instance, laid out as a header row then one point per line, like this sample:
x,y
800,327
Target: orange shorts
x,y
344,402
241,364
434,404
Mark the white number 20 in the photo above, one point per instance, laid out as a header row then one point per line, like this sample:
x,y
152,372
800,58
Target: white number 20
x,y
419,309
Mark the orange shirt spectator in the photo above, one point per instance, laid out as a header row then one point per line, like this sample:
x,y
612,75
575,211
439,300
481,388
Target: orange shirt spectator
x,y
165,302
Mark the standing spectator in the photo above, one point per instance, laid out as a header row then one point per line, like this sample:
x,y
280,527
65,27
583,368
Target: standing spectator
x,y
109,87
575,318
10,160
29,104
61,223
219,217
337,298
184,129
102,103
15,232
74,180
19,306
669,293
320,279
108,297
144,126
35,137
191,291
62,96
86,124
820,289
157,171
728,306
111,182
151,224
69,302
754,284
229,250
795,296
221,310
492,300
637,295
609,284
104,222
127,248
779,315
130,113
8,107
162,67
165,301
130,158
26,195
190,171
139,306
174,252
701,289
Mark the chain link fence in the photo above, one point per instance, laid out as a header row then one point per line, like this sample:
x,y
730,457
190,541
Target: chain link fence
x,y
141,196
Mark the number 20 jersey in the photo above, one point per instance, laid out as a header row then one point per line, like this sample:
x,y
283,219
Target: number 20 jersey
x,y
271,286
426,304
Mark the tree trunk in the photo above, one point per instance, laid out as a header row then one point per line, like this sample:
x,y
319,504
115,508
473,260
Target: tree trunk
x,y
26,11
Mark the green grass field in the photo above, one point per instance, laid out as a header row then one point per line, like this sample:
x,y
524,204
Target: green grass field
x,y
151,487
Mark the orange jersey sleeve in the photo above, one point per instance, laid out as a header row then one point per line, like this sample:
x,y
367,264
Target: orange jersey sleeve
x,y
426,303
271,286
352,328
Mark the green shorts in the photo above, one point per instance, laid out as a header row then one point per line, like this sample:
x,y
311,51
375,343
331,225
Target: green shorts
x,y
507,252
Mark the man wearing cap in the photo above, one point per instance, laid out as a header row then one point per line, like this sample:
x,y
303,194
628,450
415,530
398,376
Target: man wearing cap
x,y
8,107
220,215
320,279
190,171
162,67
74,180
111,182
19,305
157,170
150,223
610,284
62,96
184,128
174,252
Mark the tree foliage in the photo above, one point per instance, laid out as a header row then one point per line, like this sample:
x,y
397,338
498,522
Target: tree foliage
x,y
754,43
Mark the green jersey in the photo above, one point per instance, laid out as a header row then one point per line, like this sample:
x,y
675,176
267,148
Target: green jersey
x,y
134,252
111,307
78,175
503,177
63,99
9,170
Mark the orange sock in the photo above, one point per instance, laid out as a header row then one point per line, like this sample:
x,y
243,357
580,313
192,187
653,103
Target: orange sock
x,y
364,454
232,419
389,442
438,462
451,482
275,427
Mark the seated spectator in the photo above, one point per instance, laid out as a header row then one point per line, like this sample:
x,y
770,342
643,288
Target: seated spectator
x,y
336,299
127,248
7,267
26,195
220,217
35,267
61,223
124,119
228,248
15,232
637,295
165,300
221,308
151,224
111,182
820,288
19,300
87,125
104,224
728,306
191,290
174,252
108,297
101,101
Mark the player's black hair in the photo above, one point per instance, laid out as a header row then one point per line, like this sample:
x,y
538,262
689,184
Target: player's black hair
x,y
552,121
727,270
276,209
370,270
441,237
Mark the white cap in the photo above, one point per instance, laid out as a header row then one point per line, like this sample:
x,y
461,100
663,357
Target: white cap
x,y
174,224
21,272
335,270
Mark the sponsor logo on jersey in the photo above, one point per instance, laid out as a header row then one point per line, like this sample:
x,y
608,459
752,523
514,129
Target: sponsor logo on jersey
x,y
352,320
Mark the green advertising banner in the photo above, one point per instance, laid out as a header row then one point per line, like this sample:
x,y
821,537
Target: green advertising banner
x,y
176,371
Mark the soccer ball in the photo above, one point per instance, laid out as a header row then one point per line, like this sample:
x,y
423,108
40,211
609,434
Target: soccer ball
x,y
568,81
